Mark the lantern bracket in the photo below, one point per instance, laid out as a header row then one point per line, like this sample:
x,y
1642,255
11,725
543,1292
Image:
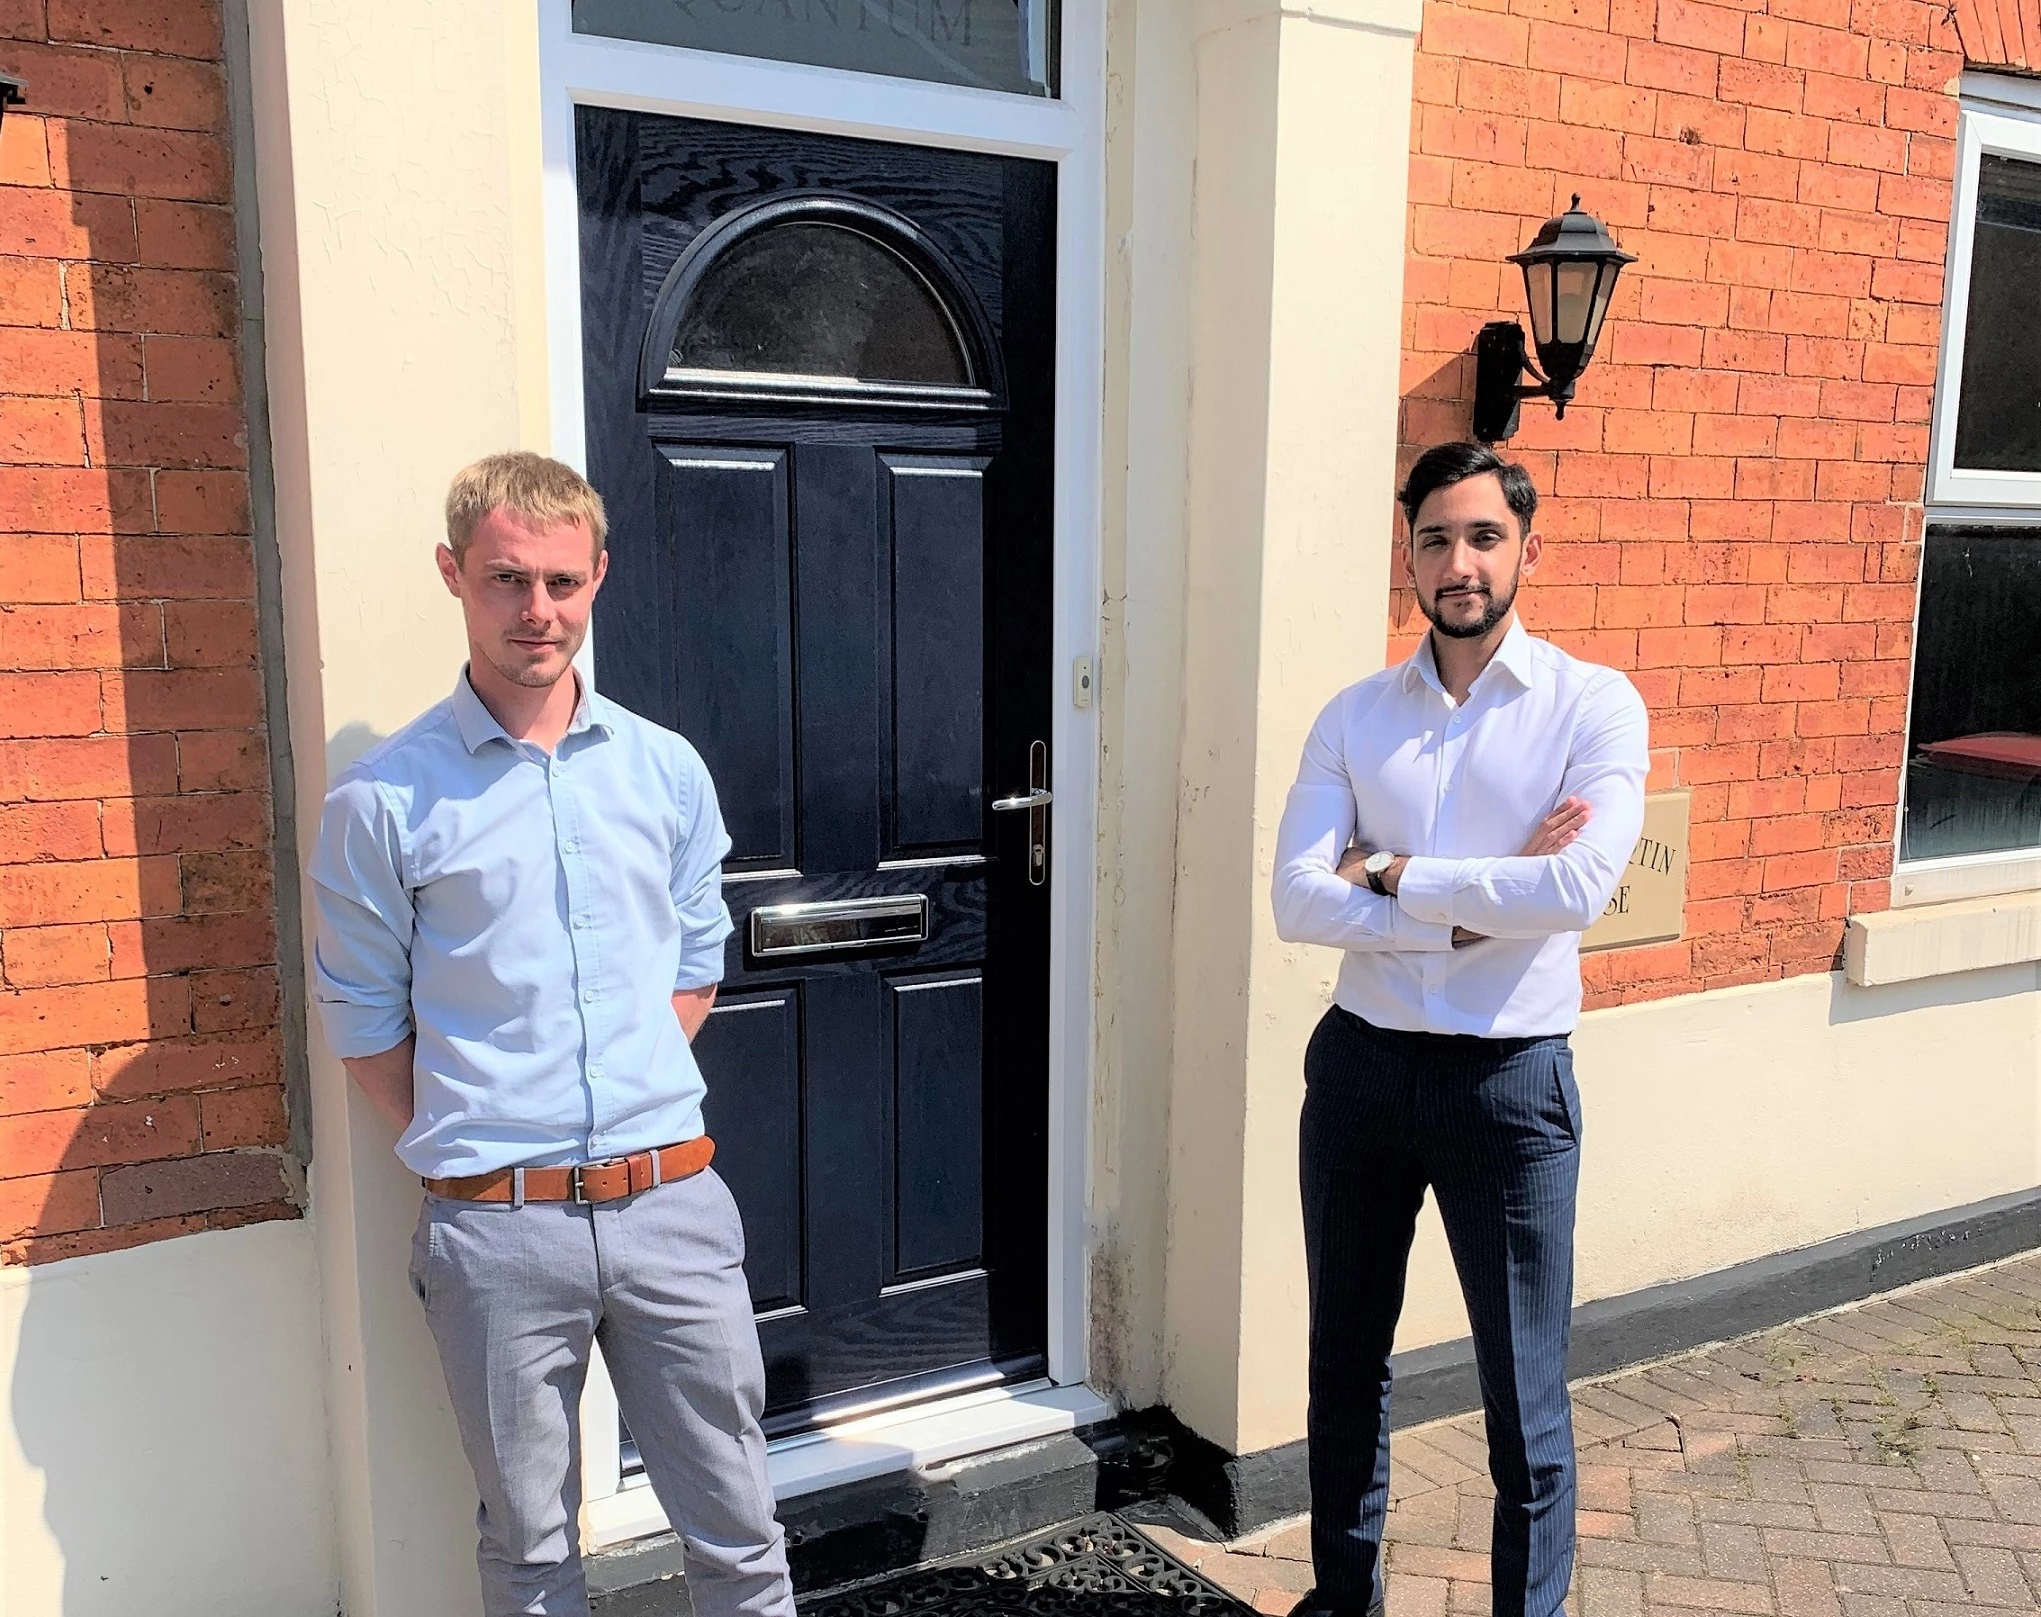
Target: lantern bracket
x,y
1501,361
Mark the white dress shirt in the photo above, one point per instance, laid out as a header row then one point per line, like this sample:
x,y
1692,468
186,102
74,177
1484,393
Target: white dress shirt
x,y
1396,763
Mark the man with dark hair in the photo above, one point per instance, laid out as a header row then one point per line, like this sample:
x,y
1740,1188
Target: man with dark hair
x,y
1457,822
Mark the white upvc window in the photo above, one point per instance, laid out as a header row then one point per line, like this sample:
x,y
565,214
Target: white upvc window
x,y
1970,819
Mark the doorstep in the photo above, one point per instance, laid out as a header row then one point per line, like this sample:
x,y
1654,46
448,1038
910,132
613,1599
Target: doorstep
x,y
886,1492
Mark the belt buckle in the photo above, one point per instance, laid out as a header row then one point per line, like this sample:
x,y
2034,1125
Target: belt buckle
x,y
574,1183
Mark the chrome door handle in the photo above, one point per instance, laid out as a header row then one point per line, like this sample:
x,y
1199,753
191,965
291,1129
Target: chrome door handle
x,y
1035,801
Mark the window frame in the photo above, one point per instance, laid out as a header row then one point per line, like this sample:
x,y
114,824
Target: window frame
x,y
2002,129
2002,117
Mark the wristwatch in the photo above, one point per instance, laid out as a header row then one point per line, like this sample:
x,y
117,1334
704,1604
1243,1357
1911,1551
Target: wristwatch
x,y
1373,866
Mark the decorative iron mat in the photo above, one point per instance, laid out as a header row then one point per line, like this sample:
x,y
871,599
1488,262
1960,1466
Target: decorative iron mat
x,y
1096,1567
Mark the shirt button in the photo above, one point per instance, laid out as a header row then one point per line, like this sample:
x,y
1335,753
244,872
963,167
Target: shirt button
x,y
588,994
580,922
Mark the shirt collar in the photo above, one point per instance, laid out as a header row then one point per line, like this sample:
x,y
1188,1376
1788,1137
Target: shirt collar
x,y
478,725
1514,656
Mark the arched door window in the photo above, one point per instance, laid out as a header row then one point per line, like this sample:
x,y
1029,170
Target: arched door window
x,y
819,299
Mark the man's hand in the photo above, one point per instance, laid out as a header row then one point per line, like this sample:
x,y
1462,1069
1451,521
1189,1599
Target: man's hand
x,y
692,1006
1557,830
385,1078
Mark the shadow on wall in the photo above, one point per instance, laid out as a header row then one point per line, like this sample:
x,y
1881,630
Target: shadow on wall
x,y
165,1393
346,744
1848,1003
169,1410
1435,409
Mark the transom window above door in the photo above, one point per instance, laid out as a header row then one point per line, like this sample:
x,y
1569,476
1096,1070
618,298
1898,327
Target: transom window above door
x,y
1006,45
819,297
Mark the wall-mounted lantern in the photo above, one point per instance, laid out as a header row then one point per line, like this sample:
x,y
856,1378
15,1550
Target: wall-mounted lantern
x,y
13,92
1570,272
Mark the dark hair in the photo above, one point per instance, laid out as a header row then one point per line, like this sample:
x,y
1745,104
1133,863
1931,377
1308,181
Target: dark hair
x,y
1443,465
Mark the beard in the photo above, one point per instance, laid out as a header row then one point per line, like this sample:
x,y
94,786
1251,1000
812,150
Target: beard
x,y
515,668
1496,608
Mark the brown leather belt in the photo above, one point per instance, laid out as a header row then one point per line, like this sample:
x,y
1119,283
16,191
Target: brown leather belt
x,y
595,1182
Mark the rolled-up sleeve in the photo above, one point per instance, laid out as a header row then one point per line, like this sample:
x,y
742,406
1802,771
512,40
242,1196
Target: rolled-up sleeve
x,y
361,960
698,880
1542,896
1313,902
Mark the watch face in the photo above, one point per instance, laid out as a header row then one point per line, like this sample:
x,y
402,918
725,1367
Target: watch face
x,y
1379,862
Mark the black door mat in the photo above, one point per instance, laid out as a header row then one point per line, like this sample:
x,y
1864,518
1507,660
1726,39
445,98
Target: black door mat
x,y
1095,1567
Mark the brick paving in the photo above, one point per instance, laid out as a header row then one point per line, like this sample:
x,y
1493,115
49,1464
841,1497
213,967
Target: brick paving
x,y
1880,1461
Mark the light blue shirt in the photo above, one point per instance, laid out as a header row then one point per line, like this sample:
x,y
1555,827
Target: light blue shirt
x,y
529,916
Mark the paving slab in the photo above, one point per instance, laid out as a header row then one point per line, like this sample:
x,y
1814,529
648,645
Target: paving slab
x,y
1877,1461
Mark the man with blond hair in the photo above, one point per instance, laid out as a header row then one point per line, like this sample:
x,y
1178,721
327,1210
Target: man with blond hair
x,y
521,928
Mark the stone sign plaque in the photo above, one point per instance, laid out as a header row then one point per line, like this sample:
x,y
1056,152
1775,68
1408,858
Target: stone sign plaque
x,y
1650,905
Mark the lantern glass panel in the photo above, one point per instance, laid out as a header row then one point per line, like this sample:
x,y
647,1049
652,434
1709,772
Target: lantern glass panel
x,y
1605,288
1538,294
1575,301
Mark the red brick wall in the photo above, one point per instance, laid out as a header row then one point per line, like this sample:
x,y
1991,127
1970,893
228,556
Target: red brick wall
x,y
140,1084
1734,499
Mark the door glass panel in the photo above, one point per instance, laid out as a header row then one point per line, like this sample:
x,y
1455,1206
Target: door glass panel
x,y
986,44
811,299
1973,770
1998,410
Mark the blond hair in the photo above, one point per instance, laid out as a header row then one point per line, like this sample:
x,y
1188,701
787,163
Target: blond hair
x,y
540,491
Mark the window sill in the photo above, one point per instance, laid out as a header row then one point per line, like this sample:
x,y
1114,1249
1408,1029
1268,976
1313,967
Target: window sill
x,y
1989,875
1932,940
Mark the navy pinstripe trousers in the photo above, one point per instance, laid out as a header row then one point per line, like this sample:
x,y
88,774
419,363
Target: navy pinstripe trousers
x,y
1492,1126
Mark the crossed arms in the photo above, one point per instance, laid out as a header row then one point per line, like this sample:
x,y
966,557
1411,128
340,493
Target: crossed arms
x,y
1536,892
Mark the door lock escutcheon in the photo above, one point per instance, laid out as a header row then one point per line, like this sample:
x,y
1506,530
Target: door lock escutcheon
x,y
1035,803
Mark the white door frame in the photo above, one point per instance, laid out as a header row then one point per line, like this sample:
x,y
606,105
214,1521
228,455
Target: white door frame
x,y
579,69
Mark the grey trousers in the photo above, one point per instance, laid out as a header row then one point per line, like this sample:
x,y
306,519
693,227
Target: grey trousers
x,y
514,1296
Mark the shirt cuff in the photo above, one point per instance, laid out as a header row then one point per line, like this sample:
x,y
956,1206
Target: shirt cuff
x,y
1425,890
701,966
355,1031
1369,913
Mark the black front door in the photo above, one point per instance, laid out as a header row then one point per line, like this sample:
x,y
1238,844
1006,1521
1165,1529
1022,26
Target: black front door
x,y
819,384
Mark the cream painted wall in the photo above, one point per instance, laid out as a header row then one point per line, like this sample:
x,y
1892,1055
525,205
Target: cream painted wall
x,y
1723,1127
398,166
1295,334
1150,130
164,1443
